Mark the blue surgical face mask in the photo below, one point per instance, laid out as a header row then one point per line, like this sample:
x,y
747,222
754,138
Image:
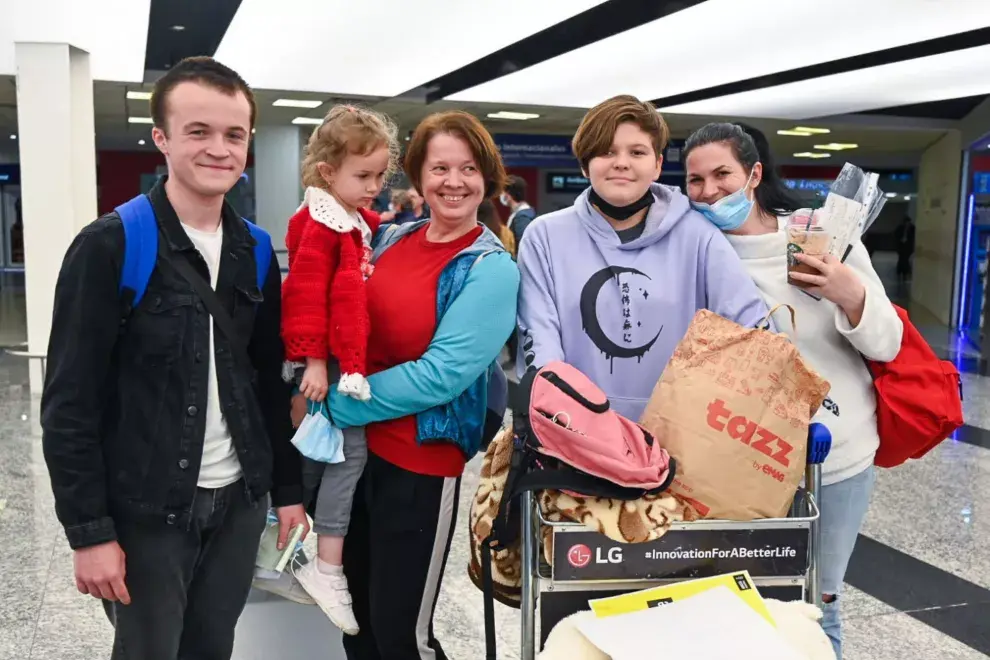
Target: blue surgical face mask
x,y
730,212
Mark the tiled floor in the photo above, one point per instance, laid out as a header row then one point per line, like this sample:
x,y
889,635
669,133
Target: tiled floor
x,y
918,586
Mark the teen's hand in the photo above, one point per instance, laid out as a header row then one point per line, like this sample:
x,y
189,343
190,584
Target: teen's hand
x,y
289,517
100,572
314,384
836,282
298,410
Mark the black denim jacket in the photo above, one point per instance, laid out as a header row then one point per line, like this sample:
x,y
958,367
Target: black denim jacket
x,y
124,406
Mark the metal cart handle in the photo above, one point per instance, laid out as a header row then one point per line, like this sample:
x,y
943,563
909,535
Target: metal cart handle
x,y
819,445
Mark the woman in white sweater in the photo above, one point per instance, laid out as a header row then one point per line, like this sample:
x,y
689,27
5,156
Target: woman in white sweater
x,y
733,183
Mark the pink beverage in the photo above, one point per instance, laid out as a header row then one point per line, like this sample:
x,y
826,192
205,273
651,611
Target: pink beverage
x,y
805,237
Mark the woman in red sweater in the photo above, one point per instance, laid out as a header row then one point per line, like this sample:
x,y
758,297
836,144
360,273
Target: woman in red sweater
x,y
441,301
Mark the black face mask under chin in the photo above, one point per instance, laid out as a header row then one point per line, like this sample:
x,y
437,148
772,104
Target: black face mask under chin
x,y
621,212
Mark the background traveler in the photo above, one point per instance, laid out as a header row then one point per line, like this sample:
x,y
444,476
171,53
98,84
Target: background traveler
x,y
522,214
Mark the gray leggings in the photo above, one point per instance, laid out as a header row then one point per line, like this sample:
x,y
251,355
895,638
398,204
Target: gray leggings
x,y
335,484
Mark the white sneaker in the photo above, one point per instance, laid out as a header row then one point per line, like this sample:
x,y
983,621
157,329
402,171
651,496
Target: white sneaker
x,y
286,586
331,594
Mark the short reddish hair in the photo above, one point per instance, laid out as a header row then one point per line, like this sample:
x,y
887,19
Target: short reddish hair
x,y
467,127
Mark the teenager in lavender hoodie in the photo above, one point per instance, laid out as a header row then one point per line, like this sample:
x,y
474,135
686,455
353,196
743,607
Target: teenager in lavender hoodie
x,y
611,284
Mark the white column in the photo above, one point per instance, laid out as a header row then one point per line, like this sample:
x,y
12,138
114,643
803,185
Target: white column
x,y
278,154
935,226
58,170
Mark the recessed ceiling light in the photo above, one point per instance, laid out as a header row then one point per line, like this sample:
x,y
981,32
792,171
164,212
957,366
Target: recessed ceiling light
x,y
139,96
140,120
794,132
890,195
296,103
816,131
141,142
811,154
907,198
178,28
13,136
307,121
507,114
836,146
253,131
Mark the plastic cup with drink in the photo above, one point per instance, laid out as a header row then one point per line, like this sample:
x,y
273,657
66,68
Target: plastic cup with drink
x,y
806,236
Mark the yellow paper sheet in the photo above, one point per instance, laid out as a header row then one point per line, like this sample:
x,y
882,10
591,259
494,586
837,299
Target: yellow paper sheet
x,y
738,583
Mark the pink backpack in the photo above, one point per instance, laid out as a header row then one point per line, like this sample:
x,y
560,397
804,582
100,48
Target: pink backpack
x,y
568,438
570,419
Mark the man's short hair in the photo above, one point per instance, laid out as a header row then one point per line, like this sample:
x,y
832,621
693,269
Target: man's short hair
x,y
515,188
204,71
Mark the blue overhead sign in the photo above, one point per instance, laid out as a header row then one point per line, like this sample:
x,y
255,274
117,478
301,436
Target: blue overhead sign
x,y
672,157
554,151
10,174
536,150
981,183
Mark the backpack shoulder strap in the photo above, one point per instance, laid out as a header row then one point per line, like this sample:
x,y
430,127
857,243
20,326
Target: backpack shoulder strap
x,y
140,246
262,251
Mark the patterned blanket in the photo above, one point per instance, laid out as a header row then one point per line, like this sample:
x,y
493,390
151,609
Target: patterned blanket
x,y
637,521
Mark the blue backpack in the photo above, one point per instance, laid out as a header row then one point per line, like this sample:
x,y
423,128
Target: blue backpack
x,y
141,247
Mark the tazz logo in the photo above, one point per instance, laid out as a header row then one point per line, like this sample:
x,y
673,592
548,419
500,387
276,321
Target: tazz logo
x,y
748,432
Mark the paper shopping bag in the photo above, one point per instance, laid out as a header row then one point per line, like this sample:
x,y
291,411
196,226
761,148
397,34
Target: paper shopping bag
x,y
733,407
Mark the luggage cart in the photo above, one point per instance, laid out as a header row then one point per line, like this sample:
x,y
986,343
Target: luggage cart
x,y
781,555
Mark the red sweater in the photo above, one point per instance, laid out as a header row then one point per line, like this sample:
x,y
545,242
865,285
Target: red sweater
x,y
324,303
402,303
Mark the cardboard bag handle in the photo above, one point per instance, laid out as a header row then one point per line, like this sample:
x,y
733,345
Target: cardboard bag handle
x,y
767,318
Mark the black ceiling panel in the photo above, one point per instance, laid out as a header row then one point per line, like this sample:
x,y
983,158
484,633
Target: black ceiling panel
x,y
184,28
599,22
948,109
947,44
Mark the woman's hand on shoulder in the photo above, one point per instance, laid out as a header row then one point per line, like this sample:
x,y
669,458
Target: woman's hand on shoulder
x,y
836,282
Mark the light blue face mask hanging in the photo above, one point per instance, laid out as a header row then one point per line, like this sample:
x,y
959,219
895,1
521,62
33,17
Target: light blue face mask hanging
x,y
317,438
730,212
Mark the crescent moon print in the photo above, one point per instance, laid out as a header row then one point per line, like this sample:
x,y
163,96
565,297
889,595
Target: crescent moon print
x,y
591,323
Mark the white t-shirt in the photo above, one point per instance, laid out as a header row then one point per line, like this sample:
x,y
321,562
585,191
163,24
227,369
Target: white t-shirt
x,y
831,345
220,466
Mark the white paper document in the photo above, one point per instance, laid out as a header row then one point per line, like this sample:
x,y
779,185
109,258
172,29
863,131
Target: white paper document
x,y
714,625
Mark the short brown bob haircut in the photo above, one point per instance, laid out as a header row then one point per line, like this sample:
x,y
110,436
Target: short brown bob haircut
x,y
204,71
597,130
467,127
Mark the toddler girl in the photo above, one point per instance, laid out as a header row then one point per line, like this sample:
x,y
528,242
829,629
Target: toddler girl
x,y
325,315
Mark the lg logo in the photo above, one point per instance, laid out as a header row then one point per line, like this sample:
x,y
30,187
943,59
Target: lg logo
x,y
579,556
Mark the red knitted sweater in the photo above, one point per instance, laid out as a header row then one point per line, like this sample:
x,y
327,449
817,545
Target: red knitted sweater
x,y
324,304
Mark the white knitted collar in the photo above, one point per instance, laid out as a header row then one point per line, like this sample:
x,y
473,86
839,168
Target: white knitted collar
x,y
325,209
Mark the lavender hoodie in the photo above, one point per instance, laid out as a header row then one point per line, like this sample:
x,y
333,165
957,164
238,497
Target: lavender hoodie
x,y
615,311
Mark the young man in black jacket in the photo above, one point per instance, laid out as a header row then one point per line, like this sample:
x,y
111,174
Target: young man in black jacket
x,y
163,435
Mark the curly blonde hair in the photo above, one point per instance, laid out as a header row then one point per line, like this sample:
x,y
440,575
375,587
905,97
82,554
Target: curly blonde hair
x,y
348,129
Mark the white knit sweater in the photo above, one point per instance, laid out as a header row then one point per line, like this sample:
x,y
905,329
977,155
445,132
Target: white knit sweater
x,y
832,346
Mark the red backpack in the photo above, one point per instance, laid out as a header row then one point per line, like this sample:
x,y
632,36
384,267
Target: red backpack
x,y
919,399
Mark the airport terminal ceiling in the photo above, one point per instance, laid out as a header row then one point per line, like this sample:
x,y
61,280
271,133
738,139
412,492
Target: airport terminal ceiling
x,y
562,58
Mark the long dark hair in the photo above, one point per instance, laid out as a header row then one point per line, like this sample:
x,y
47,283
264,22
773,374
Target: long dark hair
x,y
749,146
